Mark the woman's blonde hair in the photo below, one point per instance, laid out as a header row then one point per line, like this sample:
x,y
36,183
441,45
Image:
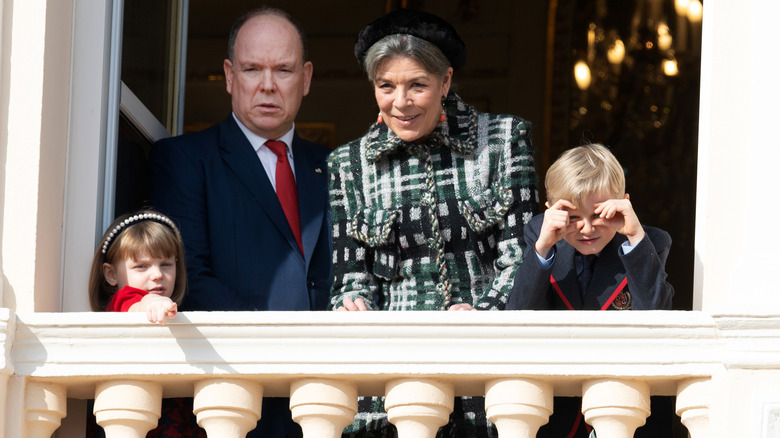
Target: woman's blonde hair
x,y
133,236
582,171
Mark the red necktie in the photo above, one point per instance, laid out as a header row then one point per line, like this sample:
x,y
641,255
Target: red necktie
x,y
286,190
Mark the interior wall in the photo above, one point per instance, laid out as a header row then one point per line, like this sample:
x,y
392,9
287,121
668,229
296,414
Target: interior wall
x,y
504,71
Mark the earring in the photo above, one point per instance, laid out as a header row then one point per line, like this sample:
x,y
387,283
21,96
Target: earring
x,y
379,118
443,116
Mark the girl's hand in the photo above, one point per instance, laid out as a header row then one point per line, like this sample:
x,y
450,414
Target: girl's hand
x,y
158,307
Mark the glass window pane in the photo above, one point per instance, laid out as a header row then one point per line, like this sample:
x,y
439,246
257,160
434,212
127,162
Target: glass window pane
x,y
148,54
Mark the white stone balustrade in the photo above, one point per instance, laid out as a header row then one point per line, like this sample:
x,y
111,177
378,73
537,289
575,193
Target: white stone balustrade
x,y
419,360
323,407
45,406
518,407
615,408
693,406
419,407
127,408
227,408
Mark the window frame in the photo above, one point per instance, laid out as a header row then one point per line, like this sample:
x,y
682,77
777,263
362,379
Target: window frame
x,y
96,99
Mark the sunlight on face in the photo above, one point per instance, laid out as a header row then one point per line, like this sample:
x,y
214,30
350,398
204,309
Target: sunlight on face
x,y
267,78
153,274
409,97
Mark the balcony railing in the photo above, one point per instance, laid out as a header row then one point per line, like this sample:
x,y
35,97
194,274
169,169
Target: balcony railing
x,y
419,360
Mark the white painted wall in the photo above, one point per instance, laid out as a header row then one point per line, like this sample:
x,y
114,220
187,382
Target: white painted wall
x,y
739,148
24,46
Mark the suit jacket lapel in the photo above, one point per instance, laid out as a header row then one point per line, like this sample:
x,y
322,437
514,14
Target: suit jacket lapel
x,y
242,159
313,198
604,284
564,273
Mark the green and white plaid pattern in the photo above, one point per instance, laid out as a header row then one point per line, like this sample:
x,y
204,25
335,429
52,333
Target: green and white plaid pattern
x,y
421,226
467,420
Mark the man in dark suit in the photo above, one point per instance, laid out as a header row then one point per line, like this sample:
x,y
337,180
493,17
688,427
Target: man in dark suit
x,y
252,211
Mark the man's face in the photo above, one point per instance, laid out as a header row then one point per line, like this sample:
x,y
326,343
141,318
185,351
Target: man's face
x,y
267,78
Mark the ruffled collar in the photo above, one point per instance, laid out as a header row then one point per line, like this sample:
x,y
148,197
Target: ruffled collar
x,y
459,133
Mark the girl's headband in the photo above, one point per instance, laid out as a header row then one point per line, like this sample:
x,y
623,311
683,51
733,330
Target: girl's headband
x,y
156,217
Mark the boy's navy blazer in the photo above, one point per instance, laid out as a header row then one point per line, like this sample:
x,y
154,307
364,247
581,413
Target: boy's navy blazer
x,y
240,251
642,270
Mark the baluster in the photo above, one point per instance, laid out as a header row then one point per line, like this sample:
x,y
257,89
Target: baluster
x,y
127,408
615,408
45,406
323,407
693,406
418,408
227,408
518,407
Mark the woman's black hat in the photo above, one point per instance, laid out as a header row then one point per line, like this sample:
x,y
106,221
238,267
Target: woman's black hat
x,y
418,23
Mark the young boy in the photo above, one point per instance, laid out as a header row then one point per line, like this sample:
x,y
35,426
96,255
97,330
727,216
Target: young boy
x,y
588,251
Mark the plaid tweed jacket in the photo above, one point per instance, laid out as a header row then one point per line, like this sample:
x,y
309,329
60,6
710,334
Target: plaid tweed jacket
x,y
421,226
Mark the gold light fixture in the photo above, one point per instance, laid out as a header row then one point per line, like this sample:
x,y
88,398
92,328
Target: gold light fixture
x,y
616,52
582,75
670,67
681,7
664,37
695,11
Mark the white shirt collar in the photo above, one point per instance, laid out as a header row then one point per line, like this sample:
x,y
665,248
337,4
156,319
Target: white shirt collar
x,y
257,141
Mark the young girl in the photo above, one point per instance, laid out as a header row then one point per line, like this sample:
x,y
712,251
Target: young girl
x,y
139,267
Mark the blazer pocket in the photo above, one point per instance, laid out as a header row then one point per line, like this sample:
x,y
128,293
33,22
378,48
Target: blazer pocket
x,y
484,213
486,209
375,229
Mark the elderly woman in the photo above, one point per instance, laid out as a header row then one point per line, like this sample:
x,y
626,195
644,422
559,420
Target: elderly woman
x,y
428,207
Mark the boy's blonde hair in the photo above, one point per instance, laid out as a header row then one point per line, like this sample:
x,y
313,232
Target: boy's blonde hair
x,y
155,238
582,171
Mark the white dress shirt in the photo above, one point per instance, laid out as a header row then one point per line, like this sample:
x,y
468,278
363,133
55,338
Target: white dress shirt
x,y
267,156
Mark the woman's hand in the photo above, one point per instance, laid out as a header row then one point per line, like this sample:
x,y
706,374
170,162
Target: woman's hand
x,y
352,306
461,306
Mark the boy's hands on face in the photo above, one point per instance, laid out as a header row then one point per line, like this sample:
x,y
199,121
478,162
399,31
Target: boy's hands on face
x,y
555,226
620,216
